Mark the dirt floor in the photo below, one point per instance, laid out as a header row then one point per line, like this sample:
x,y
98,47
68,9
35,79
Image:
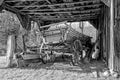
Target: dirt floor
x,y
54,71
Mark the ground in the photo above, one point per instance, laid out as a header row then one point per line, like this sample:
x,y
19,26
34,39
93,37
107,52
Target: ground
x,y
54,71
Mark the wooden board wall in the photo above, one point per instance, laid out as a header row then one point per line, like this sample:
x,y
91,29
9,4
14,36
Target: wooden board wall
x,y
105,27
117,36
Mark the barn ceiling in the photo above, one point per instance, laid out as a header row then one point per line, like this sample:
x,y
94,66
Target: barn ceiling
x,y
51,11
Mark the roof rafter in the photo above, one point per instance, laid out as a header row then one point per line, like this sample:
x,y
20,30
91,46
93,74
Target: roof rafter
x,y
75,16
20,0
52,7
72,19
14,10
60,4
62,12
31,5
69,8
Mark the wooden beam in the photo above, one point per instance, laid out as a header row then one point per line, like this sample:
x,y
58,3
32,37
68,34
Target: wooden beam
x,y
68,8
72,19
14,10
61,4
78,19
1,1
74,16
52,7
112,51
62,12
21,0
31,5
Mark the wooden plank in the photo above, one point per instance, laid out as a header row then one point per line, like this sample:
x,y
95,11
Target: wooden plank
x,y
77,15
68,8
21,0
1,1
112,52
116,57
73,20
62,12
62,4
31,5
74,17
52,7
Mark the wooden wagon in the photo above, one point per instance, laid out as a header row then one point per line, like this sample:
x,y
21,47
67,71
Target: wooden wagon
x,y
65,40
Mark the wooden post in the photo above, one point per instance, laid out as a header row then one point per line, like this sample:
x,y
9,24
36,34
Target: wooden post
x,y
1,1
112,52
10,49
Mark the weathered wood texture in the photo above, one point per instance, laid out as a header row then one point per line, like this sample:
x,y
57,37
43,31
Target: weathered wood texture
x,y
1,1
55,11
72,33
117,36
105,29
112,52
66,33
10,49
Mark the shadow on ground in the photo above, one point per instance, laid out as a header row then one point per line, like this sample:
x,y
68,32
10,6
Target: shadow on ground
x,y
59,64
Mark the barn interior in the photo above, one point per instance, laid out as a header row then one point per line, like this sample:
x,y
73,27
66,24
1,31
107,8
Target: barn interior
x,y
47,13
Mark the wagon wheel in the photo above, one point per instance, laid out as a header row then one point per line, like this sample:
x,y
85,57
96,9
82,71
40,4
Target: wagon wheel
x,y
77,48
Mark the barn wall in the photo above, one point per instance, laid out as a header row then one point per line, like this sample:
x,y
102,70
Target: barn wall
x,y
117,36
112,59
105,29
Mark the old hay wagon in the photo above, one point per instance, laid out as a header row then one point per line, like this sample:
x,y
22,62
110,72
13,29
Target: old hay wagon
x,y
67,41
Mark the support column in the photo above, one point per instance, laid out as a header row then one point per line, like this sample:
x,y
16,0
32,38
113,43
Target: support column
x,y
112,52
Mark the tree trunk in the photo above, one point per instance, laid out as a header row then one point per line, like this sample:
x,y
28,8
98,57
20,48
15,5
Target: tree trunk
x,y
10,49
